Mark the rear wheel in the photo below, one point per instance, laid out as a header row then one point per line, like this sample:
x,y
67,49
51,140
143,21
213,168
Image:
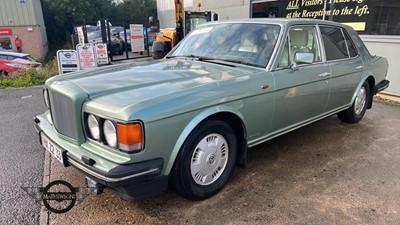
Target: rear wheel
x,y
206,161
3,73
356,112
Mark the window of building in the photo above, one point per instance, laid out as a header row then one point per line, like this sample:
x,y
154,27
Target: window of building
x,y
5,43
378,17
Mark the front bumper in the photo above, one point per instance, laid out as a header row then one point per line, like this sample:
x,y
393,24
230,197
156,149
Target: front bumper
x,y
130,181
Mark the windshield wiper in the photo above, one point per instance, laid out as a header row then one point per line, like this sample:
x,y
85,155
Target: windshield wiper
x,y
208,59
240,62
200,58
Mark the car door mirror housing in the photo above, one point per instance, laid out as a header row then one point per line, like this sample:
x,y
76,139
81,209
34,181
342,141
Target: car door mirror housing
x,y
304,57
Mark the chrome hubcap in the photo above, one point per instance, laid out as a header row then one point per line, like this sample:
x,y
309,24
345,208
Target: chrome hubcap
x,y
209,159
360,101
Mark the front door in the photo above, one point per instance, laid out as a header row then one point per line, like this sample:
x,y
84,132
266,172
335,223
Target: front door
x,y
302,88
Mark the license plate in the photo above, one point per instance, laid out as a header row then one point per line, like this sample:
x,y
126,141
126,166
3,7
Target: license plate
x,y
51,147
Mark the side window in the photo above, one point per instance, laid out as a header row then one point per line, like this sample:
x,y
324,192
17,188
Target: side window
x,y
304,39
3,57
336,44
350,45
10,57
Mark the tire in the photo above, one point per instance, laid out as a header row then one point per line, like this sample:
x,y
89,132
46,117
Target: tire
x,y
158,54
200,173
3,73
357,110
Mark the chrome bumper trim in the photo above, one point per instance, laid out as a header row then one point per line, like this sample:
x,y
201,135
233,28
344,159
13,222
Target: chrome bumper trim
x,y
109,179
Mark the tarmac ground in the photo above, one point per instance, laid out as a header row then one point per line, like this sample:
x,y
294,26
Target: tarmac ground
x,y
328,172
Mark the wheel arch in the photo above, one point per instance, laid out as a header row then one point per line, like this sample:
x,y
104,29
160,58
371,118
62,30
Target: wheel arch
x,y
371,81
233,117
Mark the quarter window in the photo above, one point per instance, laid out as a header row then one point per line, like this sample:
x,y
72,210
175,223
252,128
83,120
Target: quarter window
x,y
350,45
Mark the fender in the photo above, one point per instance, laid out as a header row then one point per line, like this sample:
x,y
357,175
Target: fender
x,y
192,125
365,77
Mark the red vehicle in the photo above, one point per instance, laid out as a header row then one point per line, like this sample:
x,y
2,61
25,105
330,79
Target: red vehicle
x,y
11,62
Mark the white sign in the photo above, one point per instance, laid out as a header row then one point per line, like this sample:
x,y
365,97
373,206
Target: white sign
x,y
67,61
137,37
86,54
101,53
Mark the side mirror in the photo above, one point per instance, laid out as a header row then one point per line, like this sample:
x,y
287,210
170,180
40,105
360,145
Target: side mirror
x,y
304,57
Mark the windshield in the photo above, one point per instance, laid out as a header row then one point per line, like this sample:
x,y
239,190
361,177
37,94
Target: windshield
x,y
94,35
245,43
194,22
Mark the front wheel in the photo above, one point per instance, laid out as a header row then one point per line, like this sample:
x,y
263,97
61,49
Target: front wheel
x,y
159,54
206,161
356,112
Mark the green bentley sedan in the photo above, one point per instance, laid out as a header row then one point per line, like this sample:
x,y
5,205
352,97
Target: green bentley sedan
x,y
188,120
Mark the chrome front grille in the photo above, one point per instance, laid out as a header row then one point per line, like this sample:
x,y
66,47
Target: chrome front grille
x,y
63,114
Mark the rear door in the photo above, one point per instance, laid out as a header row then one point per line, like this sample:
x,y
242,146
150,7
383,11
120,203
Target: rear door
x,y
346,65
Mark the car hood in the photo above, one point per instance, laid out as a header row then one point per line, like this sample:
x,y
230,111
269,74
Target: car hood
x,y
143,86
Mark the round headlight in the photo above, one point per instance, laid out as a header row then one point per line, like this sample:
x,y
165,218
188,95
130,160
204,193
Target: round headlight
x,y
46,98
93,126
110,133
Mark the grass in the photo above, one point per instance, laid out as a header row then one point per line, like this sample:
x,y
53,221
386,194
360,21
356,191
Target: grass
x,y
29,77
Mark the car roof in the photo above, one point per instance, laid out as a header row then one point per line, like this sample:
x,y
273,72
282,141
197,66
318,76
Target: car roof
x,y
282,21
13,54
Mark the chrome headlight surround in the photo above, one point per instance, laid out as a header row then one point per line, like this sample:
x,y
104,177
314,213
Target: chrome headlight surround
x,y
110,133
93,126
46,98
127,137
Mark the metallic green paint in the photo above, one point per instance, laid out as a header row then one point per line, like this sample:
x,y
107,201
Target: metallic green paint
x,y
173,96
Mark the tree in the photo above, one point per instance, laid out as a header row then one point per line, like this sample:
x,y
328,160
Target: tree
x,y
136,10
56,13
59,14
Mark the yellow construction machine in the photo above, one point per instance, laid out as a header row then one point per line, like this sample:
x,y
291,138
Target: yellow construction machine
x,y
186,21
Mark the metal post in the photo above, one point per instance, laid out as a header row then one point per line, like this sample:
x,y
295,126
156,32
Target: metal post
x,y
103,30
85,37
323,17
147,39
109,40
126,41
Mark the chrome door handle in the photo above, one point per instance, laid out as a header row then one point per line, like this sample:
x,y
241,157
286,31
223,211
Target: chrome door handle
x,y
360,67
326,74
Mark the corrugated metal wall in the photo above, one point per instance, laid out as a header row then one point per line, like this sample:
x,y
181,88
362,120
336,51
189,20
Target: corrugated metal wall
x,y
21,13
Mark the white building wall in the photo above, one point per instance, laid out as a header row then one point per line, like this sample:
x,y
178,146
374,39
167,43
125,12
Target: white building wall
x,y
389,47
227,9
